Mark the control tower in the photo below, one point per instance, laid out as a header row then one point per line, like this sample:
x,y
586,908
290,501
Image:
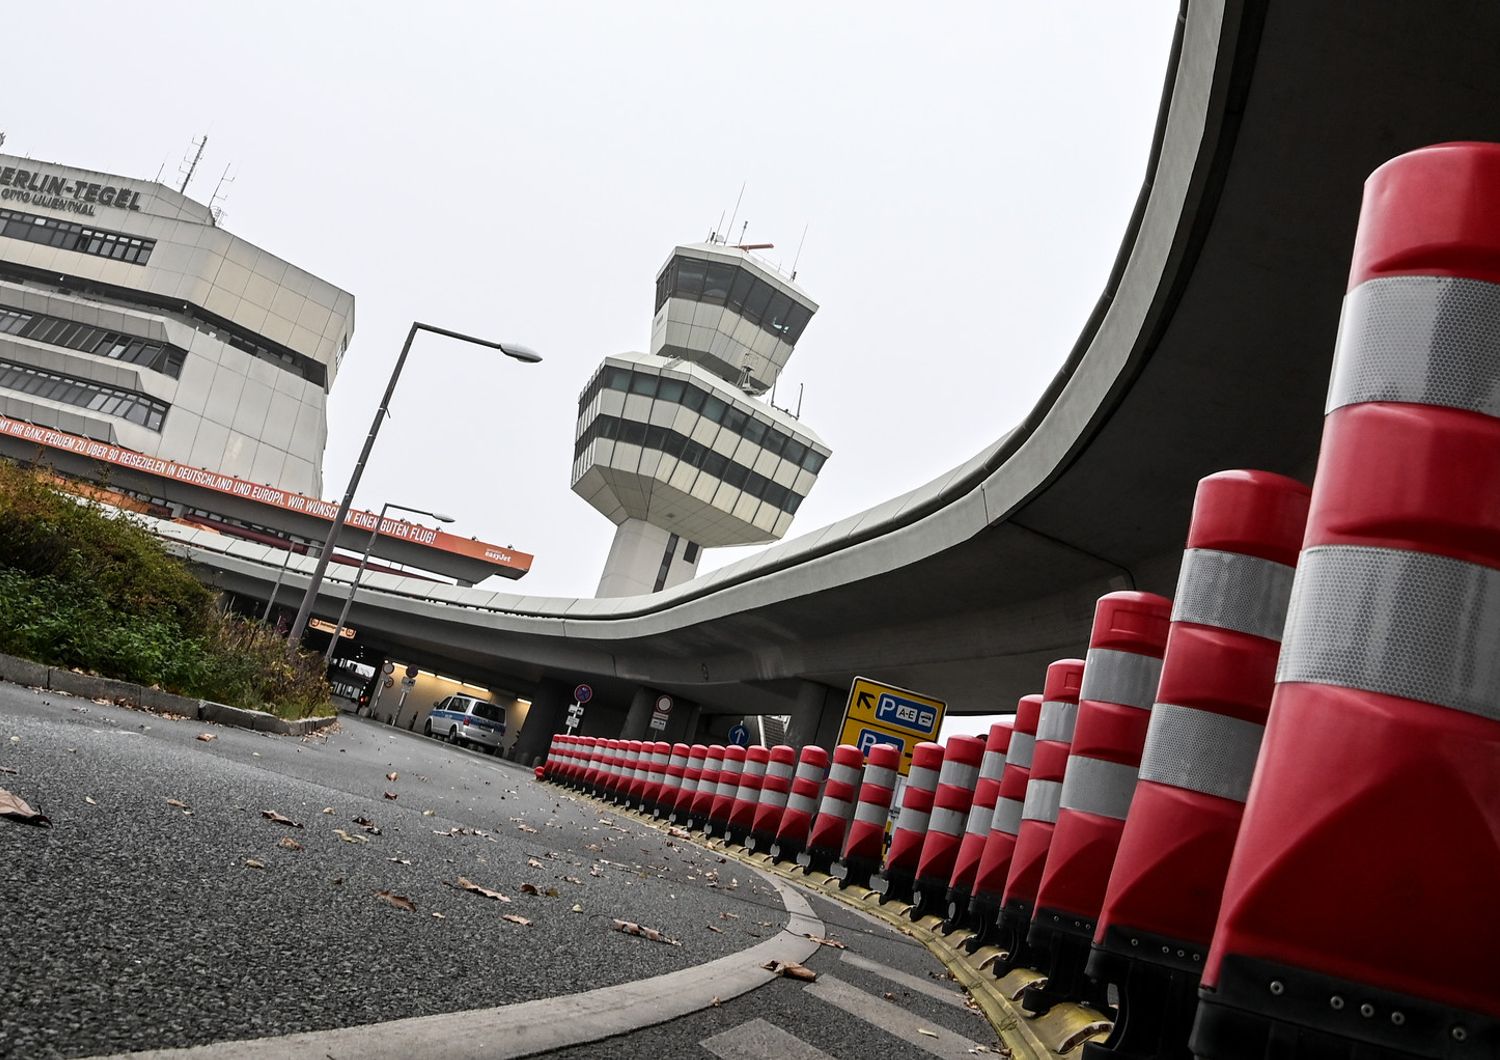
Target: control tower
x,y
675,446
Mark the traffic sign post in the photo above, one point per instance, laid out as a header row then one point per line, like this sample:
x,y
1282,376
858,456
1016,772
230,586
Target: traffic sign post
x,y
661,712
575,715
878,713
582,694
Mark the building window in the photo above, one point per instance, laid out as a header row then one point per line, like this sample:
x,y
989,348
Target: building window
x,y
690,553
101,342
666,563
724,283
693,454
80,238
69,390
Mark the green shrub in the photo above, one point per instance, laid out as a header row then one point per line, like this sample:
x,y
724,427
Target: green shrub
x,y
94,590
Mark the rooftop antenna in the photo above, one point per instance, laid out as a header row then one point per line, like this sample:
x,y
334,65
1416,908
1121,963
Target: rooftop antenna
x,y
800,388
214,208
716,238
2,139
742,232
799,252
159,170
193,165
736,213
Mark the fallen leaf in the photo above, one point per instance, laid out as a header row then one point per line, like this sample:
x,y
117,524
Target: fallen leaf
x,y
467,884
286,842
930,1034
680,833
791,970
12,772
550,892
251,863
530,888
821,941
90,800
515,919
577,908
177,803
654,935
338,881
729,916
15,807
715,930
346,837
391,795
888,996
573,879
429,813
526,828
393,776
327,809
439,916
400,861
715,1003
533,863
594,870
276,818
256,754
400,901
206,736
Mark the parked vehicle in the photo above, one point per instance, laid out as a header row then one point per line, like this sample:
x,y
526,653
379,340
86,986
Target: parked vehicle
x,y
464,719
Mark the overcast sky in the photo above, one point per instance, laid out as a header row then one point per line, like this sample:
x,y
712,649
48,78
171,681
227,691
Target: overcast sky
x,y
964,173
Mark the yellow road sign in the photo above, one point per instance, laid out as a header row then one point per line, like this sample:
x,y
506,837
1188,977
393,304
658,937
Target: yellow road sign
x,y
879,713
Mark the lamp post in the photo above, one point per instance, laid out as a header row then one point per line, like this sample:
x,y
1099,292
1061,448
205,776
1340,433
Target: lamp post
x,y
309,598
364,561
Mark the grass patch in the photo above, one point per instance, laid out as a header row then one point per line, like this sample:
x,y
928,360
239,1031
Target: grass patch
x,y
95,590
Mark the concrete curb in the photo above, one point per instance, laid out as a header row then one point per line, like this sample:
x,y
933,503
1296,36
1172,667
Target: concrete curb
x,y
56,679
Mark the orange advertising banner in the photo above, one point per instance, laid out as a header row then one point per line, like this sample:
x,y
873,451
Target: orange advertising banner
x,y
507,558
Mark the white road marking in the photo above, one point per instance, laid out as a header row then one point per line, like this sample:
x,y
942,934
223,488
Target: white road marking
x,y
893,1019
904,979
761,1040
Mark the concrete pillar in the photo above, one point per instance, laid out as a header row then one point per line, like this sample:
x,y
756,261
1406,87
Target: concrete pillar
x,y
548,715
639,718
689,713
815,717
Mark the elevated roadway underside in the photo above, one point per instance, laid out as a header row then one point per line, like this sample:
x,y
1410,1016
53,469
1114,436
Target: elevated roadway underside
x,y
1211,349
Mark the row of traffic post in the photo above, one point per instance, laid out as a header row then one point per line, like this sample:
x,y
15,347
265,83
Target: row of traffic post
x,y
1262,819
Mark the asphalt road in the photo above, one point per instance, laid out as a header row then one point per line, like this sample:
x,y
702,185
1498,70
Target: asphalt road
x,y
133,923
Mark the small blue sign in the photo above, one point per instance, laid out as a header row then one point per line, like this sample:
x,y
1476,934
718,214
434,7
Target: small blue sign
x,y
739,735
903,713
868,738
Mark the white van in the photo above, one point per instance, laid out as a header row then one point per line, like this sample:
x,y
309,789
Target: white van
x,y
464,719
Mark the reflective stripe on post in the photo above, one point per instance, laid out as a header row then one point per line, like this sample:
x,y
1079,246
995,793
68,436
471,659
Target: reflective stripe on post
x,y
708,785
866,839
835,809
797,818
900,868
1000,843
671,785
656,774
692,775
1366,861
774,792
951,802
747,796
729,784
1054,735
1120,679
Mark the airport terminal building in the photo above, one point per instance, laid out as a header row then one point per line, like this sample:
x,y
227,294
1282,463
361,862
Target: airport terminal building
x,y
128,316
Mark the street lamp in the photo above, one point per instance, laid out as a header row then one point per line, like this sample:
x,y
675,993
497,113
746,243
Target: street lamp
x,y
364,560
309,598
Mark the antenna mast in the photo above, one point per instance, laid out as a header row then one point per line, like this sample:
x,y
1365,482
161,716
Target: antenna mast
x,y
215,210
193,166
736,213
799,252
